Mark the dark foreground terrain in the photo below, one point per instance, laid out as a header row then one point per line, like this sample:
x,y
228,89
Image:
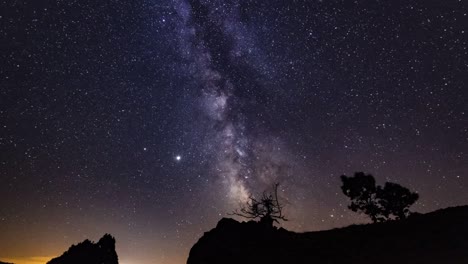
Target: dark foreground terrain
x,y
437,237
87,252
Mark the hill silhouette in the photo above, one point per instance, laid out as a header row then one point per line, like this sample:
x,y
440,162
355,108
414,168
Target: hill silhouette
x,y
437,237
5,263
102,252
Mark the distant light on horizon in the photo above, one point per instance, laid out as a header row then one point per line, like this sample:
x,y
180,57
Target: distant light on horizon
x,y
28,260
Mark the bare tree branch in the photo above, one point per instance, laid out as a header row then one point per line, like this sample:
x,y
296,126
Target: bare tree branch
x,y
268,209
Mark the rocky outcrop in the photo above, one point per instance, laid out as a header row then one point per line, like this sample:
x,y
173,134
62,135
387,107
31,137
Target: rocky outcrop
x,y
437,237
102,252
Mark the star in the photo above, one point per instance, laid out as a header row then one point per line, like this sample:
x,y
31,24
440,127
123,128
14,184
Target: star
x,y
178,158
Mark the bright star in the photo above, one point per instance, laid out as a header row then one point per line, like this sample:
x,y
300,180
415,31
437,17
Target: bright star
x,y
178,157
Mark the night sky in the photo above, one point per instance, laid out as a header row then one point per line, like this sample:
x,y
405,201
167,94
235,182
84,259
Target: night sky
x,y
153,119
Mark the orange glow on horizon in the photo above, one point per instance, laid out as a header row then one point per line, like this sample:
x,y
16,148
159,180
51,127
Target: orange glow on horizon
x,y
27,260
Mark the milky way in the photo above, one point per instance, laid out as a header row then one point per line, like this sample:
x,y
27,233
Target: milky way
x,y
217,45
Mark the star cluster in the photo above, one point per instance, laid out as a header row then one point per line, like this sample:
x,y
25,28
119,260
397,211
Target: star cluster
x,y
151,120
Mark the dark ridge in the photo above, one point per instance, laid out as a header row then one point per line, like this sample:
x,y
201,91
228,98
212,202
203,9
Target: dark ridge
x,y
436,237
102,252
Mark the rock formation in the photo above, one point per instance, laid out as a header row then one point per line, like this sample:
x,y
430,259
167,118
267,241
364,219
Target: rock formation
x,y
87,252
437,237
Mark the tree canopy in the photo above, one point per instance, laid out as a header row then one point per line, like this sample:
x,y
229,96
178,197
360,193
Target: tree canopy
x,y
380,203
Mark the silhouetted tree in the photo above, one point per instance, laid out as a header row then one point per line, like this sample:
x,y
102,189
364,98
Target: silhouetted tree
x,y
380,204
362,191
268,208
396,200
